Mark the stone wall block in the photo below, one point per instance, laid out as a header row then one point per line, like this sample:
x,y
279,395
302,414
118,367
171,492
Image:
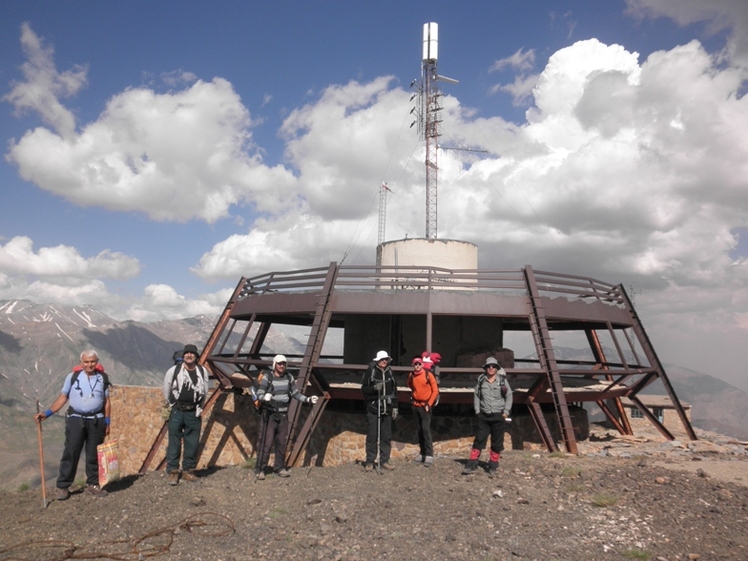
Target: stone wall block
x,y
229,432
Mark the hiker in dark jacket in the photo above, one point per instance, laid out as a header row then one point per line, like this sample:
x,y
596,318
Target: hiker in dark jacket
x,y
86,422
493,404
274,393
185,391
380,395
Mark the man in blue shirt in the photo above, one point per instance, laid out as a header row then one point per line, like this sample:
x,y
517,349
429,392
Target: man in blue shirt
x,y
87,422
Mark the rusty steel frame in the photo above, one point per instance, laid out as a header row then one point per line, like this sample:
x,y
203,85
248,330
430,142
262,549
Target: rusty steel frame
x,y
223,380
536,301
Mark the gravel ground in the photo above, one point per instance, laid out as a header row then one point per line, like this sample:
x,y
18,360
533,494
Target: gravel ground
x,y
540,506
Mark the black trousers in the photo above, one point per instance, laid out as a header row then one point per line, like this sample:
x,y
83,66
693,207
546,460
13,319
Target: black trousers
x,y
495,426
273,434
80,433
425,442
385,438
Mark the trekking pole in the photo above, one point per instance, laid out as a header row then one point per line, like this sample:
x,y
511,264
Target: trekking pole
x,y
379,428
41,456
262,438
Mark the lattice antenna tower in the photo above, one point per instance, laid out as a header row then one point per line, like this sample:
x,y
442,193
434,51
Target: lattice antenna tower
x,y
428,113
384,190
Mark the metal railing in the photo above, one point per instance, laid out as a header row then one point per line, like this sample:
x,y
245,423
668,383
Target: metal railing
x,y
391,278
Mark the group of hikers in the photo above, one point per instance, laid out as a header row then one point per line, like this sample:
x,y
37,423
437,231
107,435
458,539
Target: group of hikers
x,y
492,402
185,390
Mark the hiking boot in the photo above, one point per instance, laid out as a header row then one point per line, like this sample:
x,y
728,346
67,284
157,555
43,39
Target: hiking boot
x,y
62,494
96,491
470,467
368,467
388,467
283,472
492,468
260,475
189,475
418,459
173,477
428,461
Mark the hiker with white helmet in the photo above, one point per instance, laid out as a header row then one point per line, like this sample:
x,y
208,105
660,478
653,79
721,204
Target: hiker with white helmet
x,y
493,404
380,396
274,392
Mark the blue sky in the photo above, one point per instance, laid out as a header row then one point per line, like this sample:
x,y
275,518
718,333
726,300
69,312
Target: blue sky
x,y
154,152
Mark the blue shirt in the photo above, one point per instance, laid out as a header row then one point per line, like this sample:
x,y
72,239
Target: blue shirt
x,y
87,395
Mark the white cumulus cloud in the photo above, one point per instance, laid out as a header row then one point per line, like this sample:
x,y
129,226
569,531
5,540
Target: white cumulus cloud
x,y
174,156
44,85
18,257
161,301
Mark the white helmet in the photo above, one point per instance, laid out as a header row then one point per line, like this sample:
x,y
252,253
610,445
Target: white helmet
x,y
277,359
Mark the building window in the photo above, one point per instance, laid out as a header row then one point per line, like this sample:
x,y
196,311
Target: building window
x,y
658,412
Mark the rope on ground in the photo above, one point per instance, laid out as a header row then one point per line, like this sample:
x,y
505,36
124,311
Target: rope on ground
x,y
152,544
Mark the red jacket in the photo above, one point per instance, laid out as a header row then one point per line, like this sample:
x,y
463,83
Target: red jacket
x,y
424,388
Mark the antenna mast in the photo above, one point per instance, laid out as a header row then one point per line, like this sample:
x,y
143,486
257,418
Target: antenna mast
x,y
429,119
383,190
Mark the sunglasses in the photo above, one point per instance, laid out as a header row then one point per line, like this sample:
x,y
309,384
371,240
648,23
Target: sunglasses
x,y
417,364
492,366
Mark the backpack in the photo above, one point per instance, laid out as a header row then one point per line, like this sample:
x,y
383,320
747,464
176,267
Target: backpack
x,y
178,365
436,379
99,370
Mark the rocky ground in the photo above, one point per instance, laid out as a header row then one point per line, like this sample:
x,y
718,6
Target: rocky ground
x,y
618,499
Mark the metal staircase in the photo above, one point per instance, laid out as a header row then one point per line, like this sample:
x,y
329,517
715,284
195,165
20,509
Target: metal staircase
x,y
552,379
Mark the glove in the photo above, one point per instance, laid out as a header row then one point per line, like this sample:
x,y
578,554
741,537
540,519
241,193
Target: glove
x,y
379,386
313,399
394,414
267,397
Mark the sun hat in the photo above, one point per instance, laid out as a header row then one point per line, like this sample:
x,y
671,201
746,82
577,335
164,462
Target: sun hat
x,y
491,361
381,355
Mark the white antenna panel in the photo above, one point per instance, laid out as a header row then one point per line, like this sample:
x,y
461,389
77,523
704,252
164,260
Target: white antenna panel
x,y
430,41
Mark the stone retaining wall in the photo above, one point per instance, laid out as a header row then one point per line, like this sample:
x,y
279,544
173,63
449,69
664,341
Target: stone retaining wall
x,y
230,430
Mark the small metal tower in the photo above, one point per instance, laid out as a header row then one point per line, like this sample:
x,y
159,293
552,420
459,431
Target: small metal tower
x,y
383,190
429,120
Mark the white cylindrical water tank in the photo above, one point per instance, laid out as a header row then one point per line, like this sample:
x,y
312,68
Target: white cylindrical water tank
x,y
425,252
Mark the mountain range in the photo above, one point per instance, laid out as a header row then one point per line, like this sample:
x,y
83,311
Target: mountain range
x,y
39,345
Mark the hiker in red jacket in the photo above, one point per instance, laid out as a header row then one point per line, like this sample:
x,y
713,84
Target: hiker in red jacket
x,y
424,392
